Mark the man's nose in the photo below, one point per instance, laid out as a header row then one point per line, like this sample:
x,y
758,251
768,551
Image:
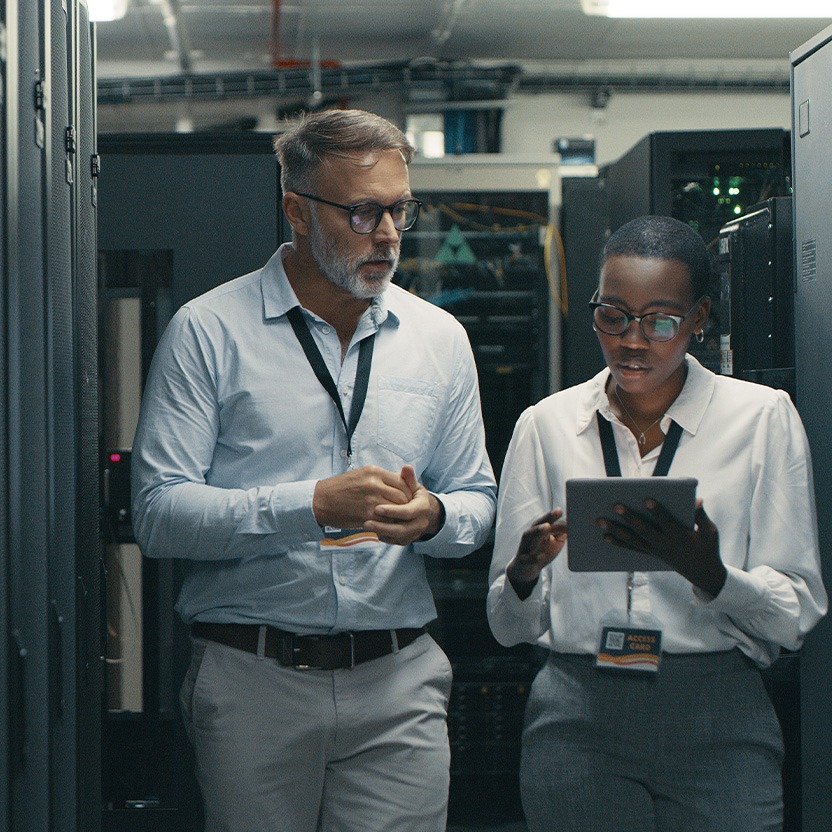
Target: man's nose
x,y
386,229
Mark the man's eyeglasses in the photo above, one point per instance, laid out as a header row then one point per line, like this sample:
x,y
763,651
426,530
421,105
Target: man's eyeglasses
x,y
366,216
655,326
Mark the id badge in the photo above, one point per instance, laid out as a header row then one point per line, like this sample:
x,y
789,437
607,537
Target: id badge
x,y
349,540
630,645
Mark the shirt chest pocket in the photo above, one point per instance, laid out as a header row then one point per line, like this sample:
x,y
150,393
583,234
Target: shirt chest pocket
x,y
407,413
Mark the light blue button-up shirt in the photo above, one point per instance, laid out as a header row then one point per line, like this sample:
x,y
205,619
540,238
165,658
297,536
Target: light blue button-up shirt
x,y
235,430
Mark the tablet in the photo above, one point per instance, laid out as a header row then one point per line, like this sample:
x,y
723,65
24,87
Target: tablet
x,y
587,500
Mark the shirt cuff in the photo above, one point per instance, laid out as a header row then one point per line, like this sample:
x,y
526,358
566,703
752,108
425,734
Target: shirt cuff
x,y
448,534
292,505
741,592
528,608
443,516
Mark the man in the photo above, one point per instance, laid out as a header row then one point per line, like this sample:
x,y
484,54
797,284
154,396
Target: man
x,y
309,432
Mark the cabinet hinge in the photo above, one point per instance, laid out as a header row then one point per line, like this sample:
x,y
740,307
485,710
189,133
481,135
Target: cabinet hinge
x,y
40,95
69,139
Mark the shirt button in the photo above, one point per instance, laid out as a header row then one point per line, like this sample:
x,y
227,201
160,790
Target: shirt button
x,y
342,579
326,330
343,453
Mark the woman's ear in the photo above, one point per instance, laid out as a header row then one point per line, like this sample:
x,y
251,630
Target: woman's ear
x,y
702,314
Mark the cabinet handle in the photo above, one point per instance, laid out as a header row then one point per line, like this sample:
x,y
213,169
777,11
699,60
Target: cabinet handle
x,y
17,702
56,663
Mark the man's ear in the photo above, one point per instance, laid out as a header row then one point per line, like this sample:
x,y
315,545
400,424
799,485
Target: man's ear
x,y
296,212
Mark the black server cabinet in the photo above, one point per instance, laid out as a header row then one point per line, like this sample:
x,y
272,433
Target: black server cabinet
x,y
812,163
479,255
699,177
50,547
584,229
81,156
704,179
178,214
27,480
8,654
756,295
756,312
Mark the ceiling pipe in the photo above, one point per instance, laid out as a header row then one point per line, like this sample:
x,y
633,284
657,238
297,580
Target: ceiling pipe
x,y
275,32
317,97
180,40
443,32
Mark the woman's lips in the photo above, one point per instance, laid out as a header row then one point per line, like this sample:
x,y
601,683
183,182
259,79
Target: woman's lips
x,y
634,368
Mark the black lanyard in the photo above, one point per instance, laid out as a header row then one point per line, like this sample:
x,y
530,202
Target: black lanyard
x,y
608,446
316,361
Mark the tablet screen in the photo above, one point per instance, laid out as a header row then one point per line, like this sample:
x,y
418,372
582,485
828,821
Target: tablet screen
x,y
587,500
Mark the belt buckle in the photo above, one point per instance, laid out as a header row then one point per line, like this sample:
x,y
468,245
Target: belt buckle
x,y
295,649
295,652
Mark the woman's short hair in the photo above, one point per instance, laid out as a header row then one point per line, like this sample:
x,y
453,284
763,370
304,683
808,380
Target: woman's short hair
x,y
663,238
315,137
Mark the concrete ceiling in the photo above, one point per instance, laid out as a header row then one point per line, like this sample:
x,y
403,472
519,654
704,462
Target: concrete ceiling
x,y
169,37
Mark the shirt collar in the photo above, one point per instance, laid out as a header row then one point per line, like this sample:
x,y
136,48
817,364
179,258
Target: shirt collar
x,y
687,410
279,296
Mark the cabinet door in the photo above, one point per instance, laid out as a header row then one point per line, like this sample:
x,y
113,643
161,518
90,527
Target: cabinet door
x,y
811,141
26,402
48,395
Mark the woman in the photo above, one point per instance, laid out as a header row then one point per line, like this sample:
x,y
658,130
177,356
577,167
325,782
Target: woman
x,y
695,745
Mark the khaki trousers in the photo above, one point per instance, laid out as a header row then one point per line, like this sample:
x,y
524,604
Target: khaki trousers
x,y
286,750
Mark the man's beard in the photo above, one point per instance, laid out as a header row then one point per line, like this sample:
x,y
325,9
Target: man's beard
x,y
344,271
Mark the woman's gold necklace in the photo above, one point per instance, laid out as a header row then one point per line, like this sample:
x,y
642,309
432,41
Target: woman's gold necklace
x,y
642,439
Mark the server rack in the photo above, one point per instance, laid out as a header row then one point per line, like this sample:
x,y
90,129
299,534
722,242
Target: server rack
x,y
756,303
699,177
9,651
178,215
479,252
756,294
51,669
703,178
812,160
584,227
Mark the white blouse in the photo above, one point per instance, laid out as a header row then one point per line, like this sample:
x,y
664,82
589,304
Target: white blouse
x,y
746,445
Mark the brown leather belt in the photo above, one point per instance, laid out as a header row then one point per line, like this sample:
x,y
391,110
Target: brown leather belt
x,y
309,652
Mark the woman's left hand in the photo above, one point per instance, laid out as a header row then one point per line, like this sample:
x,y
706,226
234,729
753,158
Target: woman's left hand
x,y
693,553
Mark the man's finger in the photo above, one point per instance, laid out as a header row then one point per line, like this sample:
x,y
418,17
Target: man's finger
x,y
409,478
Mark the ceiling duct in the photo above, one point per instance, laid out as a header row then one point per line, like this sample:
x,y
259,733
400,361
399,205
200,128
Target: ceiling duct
x,y
422,82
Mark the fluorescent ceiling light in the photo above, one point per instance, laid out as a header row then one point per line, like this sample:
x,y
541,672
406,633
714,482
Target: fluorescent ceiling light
x,y
104,10
709,8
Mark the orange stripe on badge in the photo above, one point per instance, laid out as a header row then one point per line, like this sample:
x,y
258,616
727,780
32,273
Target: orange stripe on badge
x,y
350,539
633,658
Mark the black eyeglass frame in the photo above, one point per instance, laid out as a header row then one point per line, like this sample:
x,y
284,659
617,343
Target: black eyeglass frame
x,y
677,319
379,214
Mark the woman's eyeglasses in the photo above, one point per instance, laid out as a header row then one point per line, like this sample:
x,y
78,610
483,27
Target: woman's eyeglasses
x,y
366,216
655,326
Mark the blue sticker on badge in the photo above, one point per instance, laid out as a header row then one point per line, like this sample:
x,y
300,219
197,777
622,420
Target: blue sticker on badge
x,y
630,649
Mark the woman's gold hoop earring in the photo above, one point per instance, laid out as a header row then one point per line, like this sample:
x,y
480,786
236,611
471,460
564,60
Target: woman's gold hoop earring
x,y
700,336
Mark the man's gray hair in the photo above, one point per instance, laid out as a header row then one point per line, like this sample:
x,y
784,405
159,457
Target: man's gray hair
x,y
315,137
